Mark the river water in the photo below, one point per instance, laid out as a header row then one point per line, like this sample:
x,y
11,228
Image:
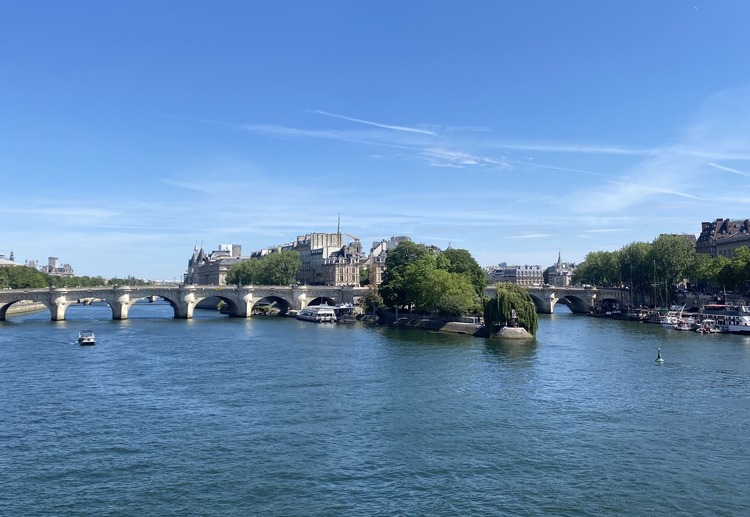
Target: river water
x,y
273,416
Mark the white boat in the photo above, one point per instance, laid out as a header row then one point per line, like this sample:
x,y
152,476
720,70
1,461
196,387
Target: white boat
x,y
683,325
709,326
317,314
673,317
739,321
86,337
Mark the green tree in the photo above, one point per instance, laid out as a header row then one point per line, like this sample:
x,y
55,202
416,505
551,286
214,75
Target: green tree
x,y
448,294
395,288
599,268
243,273
364,276
704,271
461,262
636,269
672,256
279,268
499,309
372,300
22,277
735,273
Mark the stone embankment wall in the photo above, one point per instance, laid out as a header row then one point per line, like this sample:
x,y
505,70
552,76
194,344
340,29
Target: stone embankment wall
x,y
454,327
24,307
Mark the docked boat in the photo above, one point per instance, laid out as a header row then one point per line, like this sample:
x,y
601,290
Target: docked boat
x,y
709,326
672,317
737,319
317,314
86,337
683,325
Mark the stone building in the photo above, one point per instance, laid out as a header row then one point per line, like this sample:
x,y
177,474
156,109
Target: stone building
x,y
54,268
723,236
343,267
561,273
324,258
314,249
521,275
212,268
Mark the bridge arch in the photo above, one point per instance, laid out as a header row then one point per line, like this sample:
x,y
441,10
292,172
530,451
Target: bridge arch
x,y
155,297
7,305
274,301
576,304
322,300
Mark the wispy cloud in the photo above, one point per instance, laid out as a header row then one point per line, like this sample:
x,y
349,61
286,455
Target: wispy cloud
x,y
729,169
570,148
377,124
448,158
676,174
605,230
531,236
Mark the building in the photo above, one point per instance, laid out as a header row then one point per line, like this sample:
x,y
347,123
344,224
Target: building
x,y
324,258
314,249
54,268
723,236
561,273
378,254
212,268
343,267
10,261
520,275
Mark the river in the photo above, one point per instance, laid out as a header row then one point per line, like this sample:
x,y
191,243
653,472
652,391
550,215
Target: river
x,y
272,416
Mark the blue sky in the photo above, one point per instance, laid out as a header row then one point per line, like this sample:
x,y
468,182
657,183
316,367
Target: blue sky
x,y
130,131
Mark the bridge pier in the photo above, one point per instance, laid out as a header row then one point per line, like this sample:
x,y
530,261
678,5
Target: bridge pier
x,y
59,304
184,309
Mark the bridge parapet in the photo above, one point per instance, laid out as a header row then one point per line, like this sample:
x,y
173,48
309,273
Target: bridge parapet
x,y
578,299
182,298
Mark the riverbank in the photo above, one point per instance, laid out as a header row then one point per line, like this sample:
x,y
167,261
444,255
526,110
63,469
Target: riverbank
x,y
25,306
457,327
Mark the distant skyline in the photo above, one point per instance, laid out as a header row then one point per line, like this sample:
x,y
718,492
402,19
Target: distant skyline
x,y
132,131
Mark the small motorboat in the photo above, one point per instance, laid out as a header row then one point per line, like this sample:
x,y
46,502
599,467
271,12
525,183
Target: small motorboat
x,y
86,337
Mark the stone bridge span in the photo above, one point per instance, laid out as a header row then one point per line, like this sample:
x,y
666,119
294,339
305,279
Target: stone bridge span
x,y
183,299
579,299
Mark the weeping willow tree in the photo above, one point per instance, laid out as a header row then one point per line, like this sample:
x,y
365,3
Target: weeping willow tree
x,y
499,310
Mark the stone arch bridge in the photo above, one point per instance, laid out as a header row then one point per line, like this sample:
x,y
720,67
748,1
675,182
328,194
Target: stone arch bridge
x,y
579,299
183,299
241,300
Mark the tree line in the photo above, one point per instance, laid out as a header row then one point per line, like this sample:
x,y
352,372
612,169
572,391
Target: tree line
x,y
274,269
660,266
24,277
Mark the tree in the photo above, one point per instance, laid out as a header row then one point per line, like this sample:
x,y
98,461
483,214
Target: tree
x,y
461,262
448,294
672,257
704,271
22,277
372,300
275,269
735,273
636,268
395,288
364,276
499,309
243,273
600,268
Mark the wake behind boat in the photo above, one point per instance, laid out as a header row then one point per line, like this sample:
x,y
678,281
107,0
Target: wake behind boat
x,y
86,337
